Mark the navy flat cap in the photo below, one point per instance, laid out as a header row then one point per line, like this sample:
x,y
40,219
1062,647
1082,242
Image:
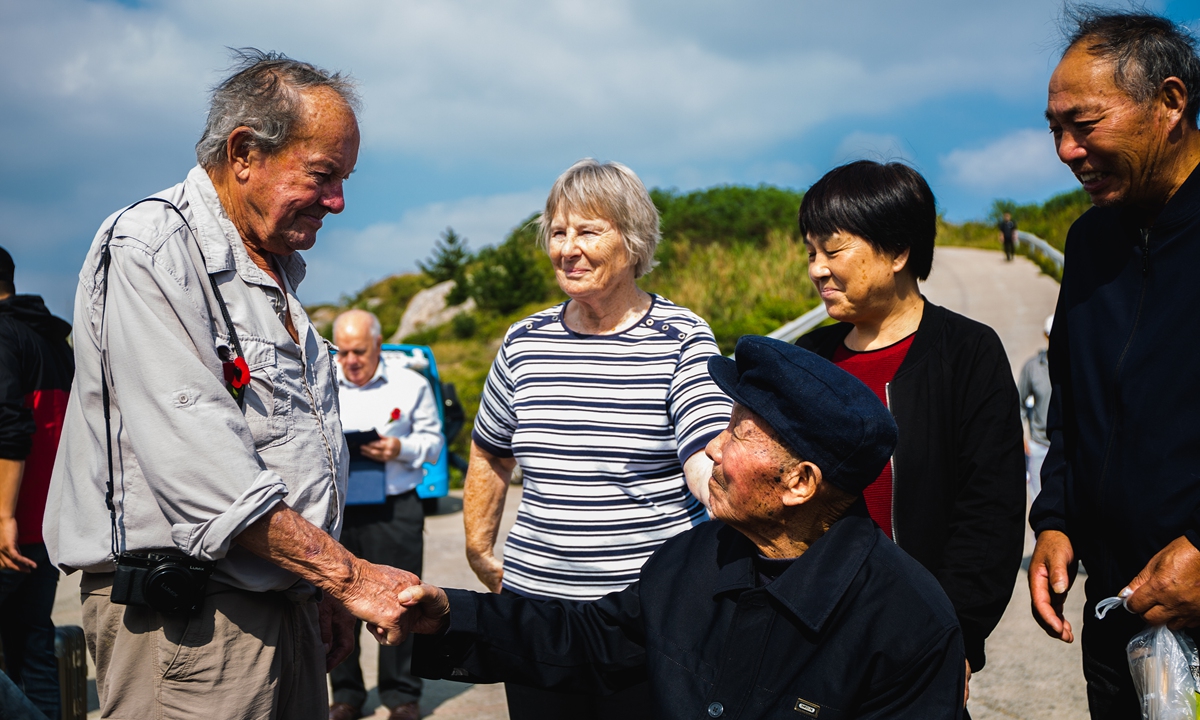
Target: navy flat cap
x,y
824,414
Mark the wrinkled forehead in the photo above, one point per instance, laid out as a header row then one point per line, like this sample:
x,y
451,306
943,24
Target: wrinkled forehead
x,y
1082,78
754,427
585,207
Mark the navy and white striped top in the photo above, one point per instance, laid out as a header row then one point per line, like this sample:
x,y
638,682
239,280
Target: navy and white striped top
x,y
601,425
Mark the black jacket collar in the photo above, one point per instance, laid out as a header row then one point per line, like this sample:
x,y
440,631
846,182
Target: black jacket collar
x,y
814,584
933,319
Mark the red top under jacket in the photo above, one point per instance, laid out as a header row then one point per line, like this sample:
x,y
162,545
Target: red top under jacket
x,y
876,368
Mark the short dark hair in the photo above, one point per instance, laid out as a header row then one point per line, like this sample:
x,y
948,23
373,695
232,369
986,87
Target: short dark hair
x,y
888,205
1145,49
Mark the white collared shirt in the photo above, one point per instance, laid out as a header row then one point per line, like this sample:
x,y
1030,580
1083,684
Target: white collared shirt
x,y
394,389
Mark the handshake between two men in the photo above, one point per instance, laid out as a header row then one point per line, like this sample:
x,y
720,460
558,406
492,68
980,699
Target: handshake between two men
x,y
788,590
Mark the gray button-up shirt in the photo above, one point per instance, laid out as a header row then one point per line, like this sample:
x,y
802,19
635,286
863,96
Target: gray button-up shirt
x,y
192,469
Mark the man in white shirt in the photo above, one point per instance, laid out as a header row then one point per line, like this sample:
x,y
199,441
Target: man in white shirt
x,y
397,403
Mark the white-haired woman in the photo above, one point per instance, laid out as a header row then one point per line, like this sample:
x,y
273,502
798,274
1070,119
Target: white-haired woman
x,y
606,403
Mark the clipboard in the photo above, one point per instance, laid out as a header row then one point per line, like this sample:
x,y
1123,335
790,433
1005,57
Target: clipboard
x,y
367,484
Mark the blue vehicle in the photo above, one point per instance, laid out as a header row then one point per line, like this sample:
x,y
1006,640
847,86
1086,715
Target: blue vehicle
x,y
419,358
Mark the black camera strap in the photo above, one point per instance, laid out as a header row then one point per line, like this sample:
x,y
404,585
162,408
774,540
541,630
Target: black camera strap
x,y
105,260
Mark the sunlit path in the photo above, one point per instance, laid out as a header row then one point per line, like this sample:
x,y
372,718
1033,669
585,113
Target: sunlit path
x,y
1028,675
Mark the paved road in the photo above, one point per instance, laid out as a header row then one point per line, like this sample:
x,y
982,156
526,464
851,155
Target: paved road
x,y
1028,675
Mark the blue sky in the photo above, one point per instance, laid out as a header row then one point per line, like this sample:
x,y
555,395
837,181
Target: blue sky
x,y
472,108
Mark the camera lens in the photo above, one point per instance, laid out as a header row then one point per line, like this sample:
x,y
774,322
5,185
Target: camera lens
x,y
171,588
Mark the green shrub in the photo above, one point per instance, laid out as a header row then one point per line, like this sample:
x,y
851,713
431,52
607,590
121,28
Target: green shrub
x,y
509,275
1049,220
464,325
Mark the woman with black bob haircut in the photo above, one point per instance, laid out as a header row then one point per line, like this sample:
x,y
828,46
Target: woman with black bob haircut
x,y
953,496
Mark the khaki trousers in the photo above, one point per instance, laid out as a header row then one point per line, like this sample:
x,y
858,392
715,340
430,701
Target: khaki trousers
x,y
242,655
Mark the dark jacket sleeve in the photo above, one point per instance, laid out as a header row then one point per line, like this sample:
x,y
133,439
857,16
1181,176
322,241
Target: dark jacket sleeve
x,y
987,523
929,687
16,420
584,647
1049,511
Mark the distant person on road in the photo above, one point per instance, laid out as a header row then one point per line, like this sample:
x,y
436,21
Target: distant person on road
x,y
36,367
1008,235
397,403
1120,484
606,403
790,604
953,495
1034,388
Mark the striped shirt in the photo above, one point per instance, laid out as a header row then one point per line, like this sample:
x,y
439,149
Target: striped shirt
x,y
601,425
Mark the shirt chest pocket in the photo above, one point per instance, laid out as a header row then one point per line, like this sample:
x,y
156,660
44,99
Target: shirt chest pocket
x,y
268,404
802,701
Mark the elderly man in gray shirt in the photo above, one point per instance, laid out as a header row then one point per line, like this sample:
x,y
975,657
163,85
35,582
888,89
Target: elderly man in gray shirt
x,y
202,468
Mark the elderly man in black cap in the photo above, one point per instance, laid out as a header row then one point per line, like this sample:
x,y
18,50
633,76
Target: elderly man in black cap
x,y
793,603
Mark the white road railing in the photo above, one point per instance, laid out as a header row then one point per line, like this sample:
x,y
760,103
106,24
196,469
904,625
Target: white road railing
x,y
801,325
816,316
1042,247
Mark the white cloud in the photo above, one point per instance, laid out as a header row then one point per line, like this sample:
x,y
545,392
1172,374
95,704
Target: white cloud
x,y
103,101
344,261
1021,164
452,80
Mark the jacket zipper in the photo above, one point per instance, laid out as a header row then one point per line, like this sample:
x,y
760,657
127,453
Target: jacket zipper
x,y
1137,318
887,394
1145,251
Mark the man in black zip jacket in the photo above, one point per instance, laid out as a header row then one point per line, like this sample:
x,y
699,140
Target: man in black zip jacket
x,y
1121,482
36,368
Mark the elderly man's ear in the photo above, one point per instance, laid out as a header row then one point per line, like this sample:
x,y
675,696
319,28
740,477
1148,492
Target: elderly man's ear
x,y
800,484
240,151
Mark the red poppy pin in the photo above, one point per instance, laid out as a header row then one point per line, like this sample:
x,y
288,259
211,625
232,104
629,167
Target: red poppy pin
x,y
395,415
237,376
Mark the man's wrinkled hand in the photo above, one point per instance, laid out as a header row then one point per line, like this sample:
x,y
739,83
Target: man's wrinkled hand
x,y
1051,574
10,553
428,609
488,569
337,631
1167,590
374,597
385,449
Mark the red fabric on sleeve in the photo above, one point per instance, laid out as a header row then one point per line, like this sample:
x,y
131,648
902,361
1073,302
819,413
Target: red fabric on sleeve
x,y
49,407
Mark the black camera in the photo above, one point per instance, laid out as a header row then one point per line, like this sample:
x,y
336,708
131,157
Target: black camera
x,y
161,582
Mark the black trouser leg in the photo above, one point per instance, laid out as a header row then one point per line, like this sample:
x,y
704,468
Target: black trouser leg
x,y
26,602
1110,690
389,534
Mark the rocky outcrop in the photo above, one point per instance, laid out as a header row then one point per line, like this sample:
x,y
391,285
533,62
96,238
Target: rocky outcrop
x,y
428,309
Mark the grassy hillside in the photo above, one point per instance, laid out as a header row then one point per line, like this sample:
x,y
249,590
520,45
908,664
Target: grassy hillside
x,y
1049,220
729,253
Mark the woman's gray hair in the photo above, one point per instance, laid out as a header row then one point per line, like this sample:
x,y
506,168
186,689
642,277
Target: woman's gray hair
x,y
265,94
613,192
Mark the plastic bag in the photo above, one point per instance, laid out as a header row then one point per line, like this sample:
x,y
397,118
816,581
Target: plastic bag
x,y
1165,670
1164,665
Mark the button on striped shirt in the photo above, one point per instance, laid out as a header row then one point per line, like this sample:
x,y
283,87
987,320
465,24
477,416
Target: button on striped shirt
x,y
601,425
